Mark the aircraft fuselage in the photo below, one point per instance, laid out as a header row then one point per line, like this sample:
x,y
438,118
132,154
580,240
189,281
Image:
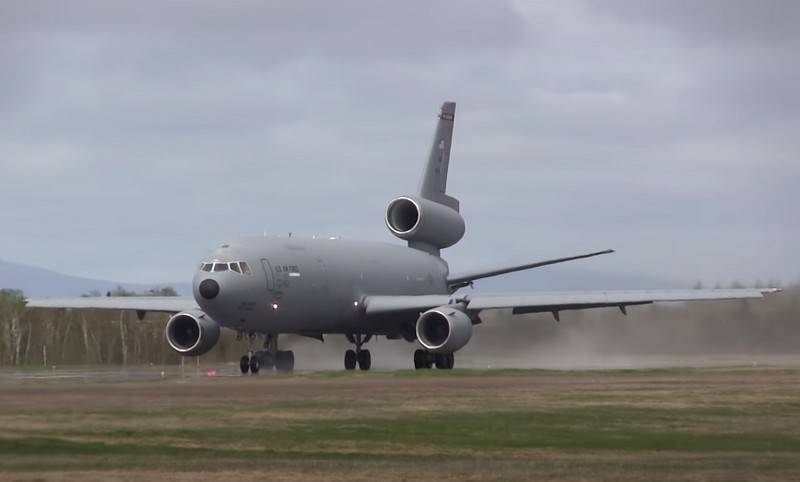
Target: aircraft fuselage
x,y
309,286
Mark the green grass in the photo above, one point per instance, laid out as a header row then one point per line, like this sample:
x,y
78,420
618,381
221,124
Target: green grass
x,y
626,423
591,428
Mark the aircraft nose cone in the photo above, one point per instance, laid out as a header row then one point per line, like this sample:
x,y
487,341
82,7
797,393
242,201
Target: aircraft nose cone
x,y
209,289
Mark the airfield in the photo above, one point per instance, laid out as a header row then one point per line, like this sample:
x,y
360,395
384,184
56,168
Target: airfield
x,y
736,422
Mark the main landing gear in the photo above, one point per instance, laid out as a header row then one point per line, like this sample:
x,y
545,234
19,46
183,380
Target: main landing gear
x,y
268,358
424,359
359,357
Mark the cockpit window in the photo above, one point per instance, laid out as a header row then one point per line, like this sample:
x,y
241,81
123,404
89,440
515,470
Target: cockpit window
x,y
239,267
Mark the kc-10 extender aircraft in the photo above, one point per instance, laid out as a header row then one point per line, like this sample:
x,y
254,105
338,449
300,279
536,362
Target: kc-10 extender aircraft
x,y
267,286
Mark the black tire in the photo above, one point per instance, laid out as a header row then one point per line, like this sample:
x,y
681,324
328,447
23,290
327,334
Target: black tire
x,y
244,364
420,359
255,364
451,361
364,360
350,360
267,360
440,359
430,358
284,362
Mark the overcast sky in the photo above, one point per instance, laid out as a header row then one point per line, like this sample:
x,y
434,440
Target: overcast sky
x,y
134,139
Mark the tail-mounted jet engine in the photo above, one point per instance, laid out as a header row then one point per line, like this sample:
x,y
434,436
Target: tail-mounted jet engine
x,y
444,329
424,221
192,333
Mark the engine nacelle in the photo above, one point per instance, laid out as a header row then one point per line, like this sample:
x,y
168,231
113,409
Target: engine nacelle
x,y
425,221
444,329
192,333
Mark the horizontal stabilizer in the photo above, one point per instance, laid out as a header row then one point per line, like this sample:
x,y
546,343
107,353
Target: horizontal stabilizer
x,y
459,280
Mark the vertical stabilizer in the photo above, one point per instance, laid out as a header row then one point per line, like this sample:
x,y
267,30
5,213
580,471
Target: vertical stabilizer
x,y
434,180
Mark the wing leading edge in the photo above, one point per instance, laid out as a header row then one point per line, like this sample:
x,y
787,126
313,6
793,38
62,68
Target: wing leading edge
x,y
159,304
460,280
554,302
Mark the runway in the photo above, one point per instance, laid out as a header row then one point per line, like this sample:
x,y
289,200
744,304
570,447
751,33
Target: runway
x,y
192,369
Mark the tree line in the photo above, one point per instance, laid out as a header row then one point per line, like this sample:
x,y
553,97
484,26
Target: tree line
x,y
71,336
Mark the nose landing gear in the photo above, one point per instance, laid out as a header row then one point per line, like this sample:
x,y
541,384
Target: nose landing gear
x,y
269,357
359,357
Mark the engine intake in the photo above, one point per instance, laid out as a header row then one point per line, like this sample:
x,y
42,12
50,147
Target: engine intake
x,y
425,221
444,329
192,333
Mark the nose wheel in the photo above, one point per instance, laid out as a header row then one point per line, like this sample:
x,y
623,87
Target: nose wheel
x,y
358,357
268,358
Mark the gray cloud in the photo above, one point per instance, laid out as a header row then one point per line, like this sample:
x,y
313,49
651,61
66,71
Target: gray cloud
x,y
133,139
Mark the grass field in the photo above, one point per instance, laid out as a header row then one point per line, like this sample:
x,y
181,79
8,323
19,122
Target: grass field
x,y
683,424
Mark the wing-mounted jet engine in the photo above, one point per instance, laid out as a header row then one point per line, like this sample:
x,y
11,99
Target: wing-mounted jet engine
x,y
192,333
445,329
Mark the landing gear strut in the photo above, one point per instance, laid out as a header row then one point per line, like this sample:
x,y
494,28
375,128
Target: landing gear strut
x,y
359,357
266,359
424,359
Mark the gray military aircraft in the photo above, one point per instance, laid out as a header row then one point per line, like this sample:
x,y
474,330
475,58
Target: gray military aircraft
x,y
268,286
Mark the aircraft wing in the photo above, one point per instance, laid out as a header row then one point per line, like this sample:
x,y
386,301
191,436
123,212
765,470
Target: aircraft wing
x,y
460,280
554,302
159,304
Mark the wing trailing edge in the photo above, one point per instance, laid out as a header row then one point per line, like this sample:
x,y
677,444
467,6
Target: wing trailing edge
x,y
553,302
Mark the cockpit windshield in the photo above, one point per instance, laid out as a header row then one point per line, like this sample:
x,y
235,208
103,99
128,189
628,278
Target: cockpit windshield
x,y
239,267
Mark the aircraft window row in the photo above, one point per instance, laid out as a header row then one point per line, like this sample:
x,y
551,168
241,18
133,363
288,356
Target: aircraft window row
x,y
240,267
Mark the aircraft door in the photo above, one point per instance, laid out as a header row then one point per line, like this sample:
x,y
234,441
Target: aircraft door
x,y
268,273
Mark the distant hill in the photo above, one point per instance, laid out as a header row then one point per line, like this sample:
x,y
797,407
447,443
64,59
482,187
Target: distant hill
x,y
38,282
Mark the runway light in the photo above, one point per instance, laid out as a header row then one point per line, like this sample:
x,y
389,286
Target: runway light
x,y
274,306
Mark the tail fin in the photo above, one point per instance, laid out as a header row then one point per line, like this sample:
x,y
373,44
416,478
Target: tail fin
x,y
434,180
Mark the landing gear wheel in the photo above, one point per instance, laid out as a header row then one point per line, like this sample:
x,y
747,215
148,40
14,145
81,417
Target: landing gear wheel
x,y
358,357
244,364
284,361
255,364
364,360
445,361
267,360
350,359
420,359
